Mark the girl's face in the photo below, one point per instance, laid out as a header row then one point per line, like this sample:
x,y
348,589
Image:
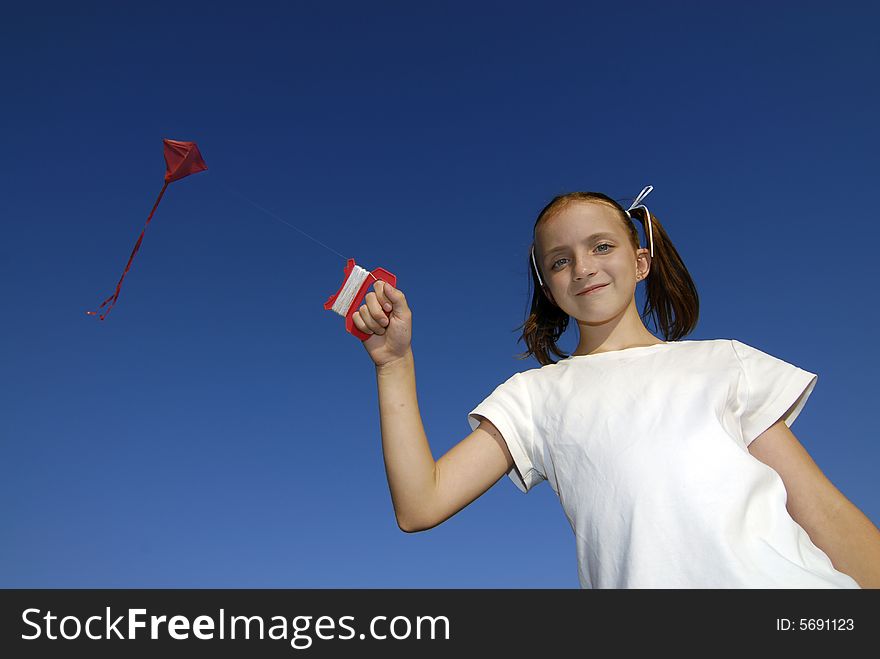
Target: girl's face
x,y
581,246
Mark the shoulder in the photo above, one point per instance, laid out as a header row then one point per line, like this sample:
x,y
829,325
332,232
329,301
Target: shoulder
x,y
702,349
712,344
722,348
689,360
751,358
540,376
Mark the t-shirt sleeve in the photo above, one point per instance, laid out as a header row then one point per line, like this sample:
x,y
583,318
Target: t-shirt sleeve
x,y
774,389
509,408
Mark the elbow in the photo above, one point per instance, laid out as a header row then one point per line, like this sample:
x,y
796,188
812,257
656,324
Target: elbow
x,y
408,528
413,525
414,519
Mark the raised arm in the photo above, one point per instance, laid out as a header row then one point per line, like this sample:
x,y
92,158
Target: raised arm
x,y
426,493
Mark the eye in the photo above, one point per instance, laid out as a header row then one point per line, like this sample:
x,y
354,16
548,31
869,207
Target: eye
x,y
609,245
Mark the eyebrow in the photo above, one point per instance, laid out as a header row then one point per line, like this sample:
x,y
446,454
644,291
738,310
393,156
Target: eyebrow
x,y
601,234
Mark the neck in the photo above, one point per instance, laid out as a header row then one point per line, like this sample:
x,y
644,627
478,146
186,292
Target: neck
x,y
624,331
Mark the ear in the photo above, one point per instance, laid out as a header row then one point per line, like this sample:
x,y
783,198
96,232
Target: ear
x,y
549,295
643,263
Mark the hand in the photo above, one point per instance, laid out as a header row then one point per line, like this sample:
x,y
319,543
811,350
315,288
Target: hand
x,y
387,317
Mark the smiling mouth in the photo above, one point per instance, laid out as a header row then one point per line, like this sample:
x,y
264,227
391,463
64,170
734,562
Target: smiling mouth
x,y
593,289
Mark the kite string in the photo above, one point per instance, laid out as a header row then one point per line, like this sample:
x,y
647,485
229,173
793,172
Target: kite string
x,y
356,272
268,212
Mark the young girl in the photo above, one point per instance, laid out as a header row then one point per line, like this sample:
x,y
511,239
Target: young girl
x,y
673,460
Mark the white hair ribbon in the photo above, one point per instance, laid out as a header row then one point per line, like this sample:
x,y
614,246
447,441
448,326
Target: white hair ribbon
x,y
644,193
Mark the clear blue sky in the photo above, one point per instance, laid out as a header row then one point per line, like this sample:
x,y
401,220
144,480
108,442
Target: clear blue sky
x,y
220,428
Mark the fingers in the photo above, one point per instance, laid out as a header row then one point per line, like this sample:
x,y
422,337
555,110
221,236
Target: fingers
x,y
383,298
359,323
375,308
370,318
364,321
394,296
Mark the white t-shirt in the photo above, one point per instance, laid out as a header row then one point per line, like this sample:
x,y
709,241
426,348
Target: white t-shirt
x,y
646,448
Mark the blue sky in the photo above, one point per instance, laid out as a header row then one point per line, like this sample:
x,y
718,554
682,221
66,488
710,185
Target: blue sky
x,y
220,428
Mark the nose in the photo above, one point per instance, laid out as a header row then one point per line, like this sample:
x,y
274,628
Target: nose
x,y
583,268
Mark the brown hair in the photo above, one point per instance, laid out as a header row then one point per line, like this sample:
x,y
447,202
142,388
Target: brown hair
x,y
671,296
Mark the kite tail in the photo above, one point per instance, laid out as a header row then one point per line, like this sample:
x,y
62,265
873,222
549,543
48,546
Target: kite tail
x,y
137,246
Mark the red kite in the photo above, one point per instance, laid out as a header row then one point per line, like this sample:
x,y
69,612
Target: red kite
x,y
181,160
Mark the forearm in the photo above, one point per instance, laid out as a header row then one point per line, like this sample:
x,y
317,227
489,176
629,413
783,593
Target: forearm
x,y
409,464
851,541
